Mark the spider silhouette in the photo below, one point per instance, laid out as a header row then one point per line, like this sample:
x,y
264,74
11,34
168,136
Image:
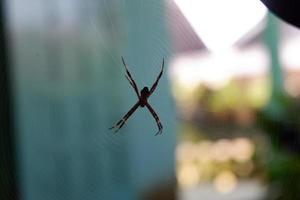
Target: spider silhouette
x,y
142,100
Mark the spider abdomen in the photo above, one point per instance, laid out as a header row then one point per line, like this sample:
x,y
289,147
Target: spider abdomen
x,y
144,96
144,92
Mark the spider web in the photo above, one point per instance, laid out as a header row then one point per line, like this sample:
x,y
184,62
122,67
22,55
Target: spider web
x,y
66,150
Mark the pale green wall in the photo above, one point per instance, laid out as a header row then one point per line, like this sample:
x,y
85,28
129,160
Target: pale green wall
x,y
70,87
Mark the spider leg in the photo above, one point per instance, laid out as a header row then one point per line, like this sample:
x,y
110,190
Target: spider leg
x,y
130,79
157,79
121,122
159,125
135,90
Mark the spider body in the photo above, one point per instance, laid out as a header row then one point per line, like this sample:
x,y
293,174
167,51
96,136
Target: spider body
x,y
143,96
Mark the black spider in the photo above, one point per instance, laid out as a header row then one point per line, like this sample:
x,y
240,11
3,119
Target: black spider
x,y
142,99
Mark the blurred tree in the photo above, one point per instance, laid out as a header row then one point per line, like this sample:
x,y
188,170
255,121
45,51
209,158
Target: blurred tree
x,y
279,118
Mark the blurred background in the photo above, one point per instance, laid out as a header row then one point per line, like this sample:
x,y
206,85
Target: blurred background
x,y
228,101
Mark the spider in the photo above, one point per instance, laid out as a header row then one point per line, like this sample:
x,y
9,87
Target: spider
x,y
143,96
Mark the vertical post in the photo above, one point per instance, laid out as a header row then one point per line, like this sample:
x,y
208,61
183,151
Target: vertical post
x,y
8,188
271,39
